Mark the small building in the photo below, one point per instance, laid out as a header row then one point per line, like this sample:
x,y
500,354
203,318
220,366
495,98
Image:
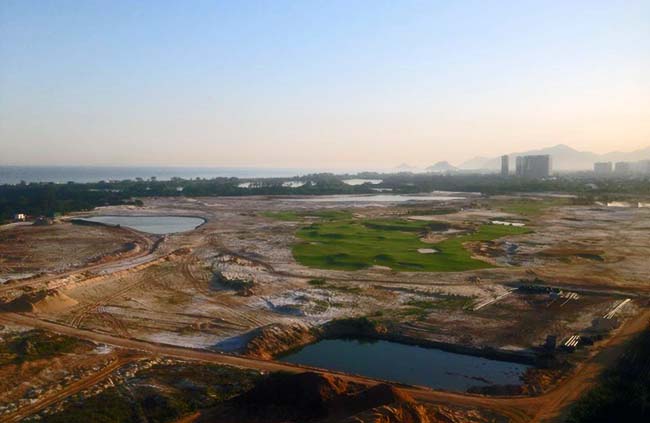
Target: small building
x,y
20,217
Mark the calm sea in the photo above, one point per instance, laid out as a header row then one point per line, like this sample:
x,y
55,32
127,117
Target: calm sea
x,y
63,174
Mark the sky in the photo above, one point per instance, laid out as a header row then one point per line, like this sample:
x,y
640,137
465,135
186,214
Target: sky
x,y
318,84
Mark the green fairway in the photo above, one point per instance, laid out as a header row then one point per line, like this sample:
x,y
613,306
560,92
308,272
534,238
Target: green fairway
x,y
292,216
357,244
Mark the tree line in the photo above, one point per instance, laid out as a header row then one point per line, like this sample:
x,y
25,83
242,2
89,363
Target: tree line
x,y
48,199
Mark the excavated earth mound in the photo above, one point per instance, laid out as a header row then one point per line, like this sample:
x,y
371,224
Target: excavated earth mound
x,y
41,302
268,341
313,397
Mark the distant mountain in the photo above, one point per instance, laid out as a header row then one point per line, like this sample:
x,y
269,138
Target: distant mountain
x,y
405,167
441,167
475,163
564,158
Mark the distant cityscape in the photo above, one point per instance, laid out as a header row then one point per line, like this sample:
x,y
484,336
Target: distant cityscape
x,y
541,166
641,167
537,166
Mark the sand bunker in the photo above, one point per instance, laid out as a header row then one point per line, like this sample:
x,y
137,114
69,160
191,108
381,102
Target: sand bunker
x,y
427,250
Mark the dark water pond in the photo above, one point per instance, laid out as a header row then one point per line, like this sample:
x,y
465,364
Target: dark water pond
x,y
408,364
159,225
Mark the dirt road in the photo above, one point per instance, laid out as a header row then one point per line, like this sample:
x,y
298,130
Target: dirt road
x,y
547,407
69,390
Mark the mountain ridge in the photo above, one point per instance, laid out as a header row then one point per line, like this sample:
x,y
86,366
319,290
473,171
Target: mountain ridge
x,y
564,158
443,166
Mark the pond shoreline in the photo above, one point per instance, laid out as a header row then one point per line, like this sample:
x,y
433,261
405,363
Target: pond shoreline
x,y
86,220
409,363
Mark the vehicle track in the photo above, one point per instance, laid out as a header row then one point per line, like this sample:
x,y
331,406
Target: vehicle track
x,y
94,308
548,406
150,247
73,388
201,285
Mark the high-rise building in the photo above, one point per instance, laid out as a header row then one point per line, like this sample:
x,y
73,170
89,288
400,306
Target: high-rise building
x,y
603,168
505,165
623,168
534,166
643,167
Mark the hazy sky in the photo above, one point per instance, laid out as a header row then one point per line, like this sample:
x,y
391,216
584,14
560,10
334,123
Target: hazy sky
x,y
318,83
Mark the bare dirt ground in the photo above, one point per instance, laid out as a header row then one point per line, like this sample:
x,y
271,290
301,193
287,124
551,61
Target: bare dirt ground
x,y
28,249
547,407
166,294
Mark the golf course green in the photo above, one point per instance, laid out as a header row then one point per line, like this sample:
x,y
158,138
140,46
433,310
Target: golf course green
x,y
353,244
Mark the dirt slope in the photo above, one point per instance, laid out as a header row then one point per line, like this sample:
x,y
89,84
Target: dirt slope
x,y
313,397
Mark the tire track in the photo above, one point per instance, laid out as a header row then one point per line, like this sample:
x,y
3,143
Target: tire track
x,y
547,406
75,387
97,307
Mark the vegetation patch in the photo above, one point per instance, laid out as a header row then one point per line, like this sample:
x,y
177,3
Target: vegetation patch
x,y
297,216
160,394
353,327
406,225
323,284
317,282
421,308
286,216
431,212
623,394
595,255
353,244
34,345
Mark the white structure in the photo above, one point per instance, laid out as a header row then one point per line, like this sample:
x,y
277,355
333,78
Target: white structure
x,y
20,217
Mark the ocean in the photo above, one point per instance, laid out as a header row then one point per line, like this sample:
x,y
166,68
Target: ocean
x,y
62,174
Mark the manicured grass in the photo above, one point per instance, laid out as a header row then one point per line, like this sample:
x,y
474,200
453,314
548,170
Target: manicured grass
x,y
405,225
357,244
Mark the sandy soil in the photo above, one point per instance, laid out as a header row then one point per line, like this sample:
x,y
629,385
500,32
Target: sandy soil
x,y
168,294
28,249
